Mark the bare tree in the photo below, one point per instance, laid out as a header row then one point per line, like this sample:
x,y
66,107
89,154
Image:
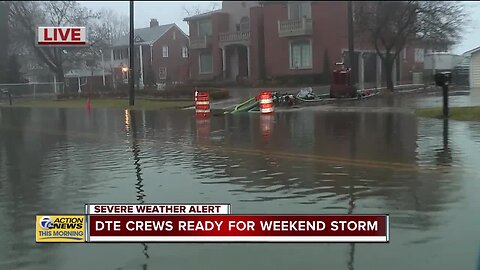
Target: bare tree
x,y
390,25
27,15
107,27
197,9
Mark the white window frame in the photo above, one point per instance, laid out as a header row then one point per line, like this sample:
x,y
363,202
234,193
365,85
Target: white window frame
x,y
290,55
198,26
306,3
184,52
200,63
165,51
418,52
162,70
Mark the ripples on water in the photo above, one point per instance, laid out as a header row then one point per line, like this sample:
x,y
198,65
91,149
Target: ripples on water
x,y
54,161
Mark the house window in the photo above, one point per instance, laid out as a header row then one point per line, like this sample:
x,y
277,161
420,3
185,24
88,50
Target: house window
x,y
184,52
165,51
125,76
204,28
162,73
206,65
299,10
245,24
174,35
300,54
419,55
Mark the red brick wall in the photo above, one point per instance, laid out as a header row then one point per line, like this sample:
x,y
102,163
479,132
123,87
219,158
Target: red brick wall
x,y
177,66
219,25
329,25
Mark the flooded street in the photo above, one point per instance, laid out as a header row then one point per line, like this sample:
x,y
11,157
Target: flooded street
x,y
423,172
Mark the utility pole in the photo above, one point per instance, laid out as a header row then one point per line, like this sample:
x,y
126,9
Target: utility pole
x,y
351,51
132,54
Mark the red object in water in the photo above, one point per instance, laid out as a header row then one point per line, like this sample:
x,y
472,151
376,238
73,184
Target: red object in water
x,y
89,106
266,102
202,104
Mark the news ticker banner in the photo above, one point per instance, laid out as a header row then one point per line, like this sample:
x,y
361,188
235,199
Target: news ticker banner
x,y
204,223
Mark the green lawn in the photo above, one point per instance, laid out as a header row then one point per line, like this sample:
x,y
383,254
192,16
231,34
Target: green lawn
x,y
104,103
456,113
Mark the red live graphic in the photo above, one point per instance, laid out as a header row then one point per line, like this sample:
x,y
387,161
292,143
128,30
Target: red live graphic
x,y
72,34
238,225
61,35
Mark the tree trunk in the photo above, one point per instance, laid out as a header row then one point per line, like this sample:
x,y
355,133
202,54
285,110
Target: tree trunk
x,y
388,71
60,75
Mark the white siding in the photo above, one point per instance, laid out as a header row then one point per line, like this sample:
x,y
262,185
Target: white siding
x,y
475,70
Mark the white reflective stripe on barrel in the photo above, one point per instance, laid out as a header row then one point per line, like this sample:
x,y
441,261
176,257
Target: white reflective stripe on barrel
x,y
202,111
266,101
203,102
266,110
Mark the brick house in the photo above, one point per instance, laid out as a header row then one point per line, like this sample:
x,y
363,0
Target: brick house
x,y
255,40
221,46
161,55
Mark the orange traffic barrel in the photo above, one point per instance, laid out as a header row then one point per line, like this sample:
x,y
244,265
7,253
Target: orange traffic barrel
x,y
202,104
266,102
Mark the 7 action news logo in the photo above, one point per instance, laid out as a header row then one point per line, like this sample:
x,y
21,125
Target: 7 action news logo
x,y
60,228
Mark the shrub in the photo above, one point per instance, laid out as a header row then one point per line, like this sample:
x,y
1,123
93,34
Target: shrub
x,y
172,92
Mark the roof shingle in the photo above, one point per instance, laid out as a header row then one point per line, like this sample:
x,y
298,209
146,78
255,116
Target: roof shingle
x,y
148,35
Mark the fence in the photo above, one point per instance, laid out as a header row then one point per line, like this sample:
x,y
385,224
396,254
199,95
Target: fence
x,y
33,90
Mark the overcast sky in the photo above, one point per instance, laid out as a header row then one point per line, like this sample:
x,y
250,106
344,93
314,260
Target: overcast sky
x,y
167,12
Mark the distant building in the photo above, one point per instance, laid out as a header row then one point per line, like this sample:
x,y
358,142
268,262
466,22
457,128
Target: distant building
x,y
440,62
257,40
87,79
474,69
161,55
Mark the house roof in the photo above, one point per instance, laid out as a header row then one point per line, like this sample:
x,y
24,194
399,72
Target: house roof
x,y
272,2
74,73
146,35
472,50
464,63
203,15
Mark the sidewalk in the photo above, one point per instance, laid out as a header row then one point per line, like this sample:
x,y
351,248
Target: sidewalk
x,y
239,94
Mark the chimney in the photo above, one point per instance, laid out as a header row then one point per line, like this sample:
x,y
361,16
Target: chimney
x,y
153,23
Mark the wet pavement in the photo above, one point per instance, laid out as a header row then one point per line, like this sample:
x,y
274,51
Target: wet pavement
x,y
423,172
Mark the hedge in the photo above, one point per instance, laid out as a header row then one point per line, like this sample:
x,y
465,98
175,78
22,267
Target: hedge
x,y
171,92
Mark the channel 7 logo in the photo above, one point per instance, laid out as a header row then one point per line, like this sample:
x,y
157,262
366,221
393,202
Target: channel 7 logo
x,y
46,223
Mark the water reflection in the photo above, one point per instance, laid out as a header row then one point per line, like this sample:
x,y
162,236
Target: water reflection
x,y
312,162
266,126
444,154
131,127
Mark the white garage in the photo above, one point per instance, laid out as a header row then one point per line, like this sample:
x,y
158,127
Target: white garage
x,y
475,68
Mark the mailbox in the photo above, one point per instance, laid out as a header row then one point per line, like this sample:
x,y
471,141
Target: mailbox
x,y
443,78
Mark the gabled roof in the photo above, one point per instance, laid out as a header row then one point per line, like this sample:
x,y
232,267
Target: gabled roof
x,y
146,35
472,50
85,72
464,63
203,15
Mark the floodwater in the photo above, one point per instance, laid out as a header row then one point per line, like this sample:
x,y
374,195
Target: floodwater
x,y
423,172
